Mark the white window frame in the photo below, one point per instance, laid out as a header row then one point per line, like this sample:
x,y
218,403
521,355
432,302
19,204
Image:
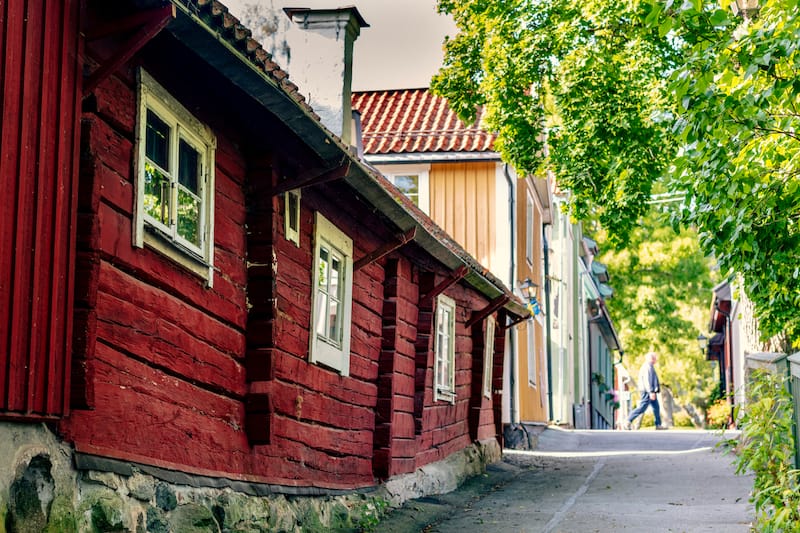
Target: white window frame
x,y
444,366
391,172
332,353
292,233
488,356
531,349
149,231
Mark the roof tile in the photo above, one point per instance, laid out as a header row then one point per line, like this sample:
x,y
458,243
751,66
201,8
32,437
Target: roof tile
x,y
416,120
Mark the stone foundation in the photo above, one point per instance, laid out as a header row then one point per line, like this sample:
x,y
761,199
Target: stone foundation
x,y
44,486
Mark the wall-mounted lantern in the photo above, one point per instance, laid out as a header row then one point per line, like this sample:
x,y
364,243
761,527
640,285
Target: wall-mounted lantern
x,y
530,291
702,343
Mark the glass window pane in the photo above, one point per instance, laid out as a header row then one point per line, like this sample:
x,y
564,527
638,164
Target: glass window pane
x,y
293,212
408,185
156,193
157,140
322,281
335,274
321,314
333,320
188,216
188,166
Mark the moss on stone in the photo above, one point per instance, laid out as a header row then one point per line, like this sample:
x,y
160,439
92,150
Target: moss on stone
x,y
62,516
107,512
192,518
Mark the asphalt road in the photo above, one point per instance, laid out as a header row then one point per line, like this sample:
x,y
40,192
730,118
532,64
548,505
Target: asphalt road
x,y
587,481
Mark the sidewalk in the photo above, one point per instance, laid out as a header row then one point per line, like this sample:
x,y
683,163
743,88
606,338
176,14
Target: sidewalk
x,y
577,480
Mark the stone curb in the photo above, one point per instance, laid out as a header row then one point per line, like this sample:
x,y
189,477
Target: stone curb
x,y
417,514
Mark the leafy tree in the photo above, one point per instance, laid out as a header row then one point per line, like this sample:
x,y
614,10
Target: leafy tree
x,y
662,287
737,125
629,92
585,75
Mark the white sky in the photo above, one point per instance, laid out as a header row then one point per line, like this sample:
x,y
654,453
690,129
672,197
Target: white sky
x,y
401,48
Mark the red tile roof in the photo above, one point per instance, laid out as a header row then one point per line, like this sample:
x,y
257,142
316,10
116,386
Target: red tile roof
x,y
416,120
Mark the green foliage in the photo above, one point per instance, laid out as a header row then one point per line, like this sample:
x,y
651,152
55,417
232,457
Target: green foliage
x,y
662,284
718,414
767,449
736,91
631,93
371,513
682,420
577,73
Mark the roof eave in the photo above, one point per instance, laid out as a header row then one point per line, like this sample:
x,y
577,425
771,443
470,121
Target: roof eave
x,y
219,53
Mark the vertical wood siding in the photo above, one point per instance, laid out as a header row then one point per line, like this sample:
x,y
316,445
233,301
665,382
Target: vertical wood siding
x,y
532,399
39,92
463,204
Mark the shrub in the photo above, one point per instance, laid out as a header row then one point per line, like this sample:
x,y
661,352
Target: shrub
x,y
682,420
718,414
766,447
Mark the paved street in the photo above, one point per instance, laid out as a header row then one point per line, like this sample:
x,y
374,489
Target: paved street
x,y
585,481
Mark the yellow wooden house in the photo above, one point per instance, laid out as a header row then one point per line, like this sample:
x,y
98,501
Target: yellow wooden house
x,y
450,170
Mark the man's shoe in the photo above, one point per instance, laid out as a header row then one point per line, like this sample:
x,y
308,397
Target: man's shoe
x,y
627,426
659,428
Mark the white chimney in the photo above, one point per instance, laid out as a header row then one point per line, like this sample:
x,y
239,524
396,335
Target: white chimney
x,y
320,62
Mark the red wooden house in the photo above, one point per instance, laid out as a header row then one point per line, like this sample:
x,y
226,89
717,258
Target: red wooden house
x,y
199,278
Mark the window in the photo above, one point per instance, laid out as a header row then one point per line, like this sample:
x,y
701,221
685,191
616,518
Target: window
x,y
488,356
413,181
408,185
292,216
529,229
175,180
445,371
333,293
531,348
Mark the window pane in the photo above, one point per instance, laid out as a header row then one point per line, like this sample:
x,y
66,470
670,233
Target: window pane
x,y
293,211
322,270
322,304
408,185
334,283
189,216
156,193
333,320
188,166
157,140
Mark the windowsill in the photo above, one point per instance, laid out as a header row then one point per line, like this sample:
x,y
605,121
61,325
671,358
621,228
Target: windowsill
x,y
445,396
178,254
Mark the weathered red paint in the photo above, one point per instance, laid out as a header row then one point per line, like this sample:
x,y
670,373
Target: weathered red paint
x,y
39,68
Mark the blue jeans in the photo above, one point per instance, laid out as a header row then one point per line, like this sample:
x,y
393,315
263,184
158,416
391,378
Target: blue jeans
x,y
644,401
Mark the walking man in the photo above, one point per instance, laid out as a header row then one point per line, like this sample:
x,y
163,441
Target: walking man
x,y
648,389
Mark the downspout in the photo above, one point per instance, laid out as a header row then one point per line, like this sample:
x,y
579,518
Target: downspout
x,y
548,332
512,346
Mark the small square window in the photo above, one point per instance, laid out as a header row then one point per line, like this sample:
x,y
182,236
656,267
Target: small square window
x,y
445,371
408,185
332,282
175,180
292,216
488,357
412,180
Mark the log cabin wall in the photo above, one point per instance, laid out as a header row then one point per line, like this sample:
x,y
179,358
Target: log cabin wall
x,y
212,376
